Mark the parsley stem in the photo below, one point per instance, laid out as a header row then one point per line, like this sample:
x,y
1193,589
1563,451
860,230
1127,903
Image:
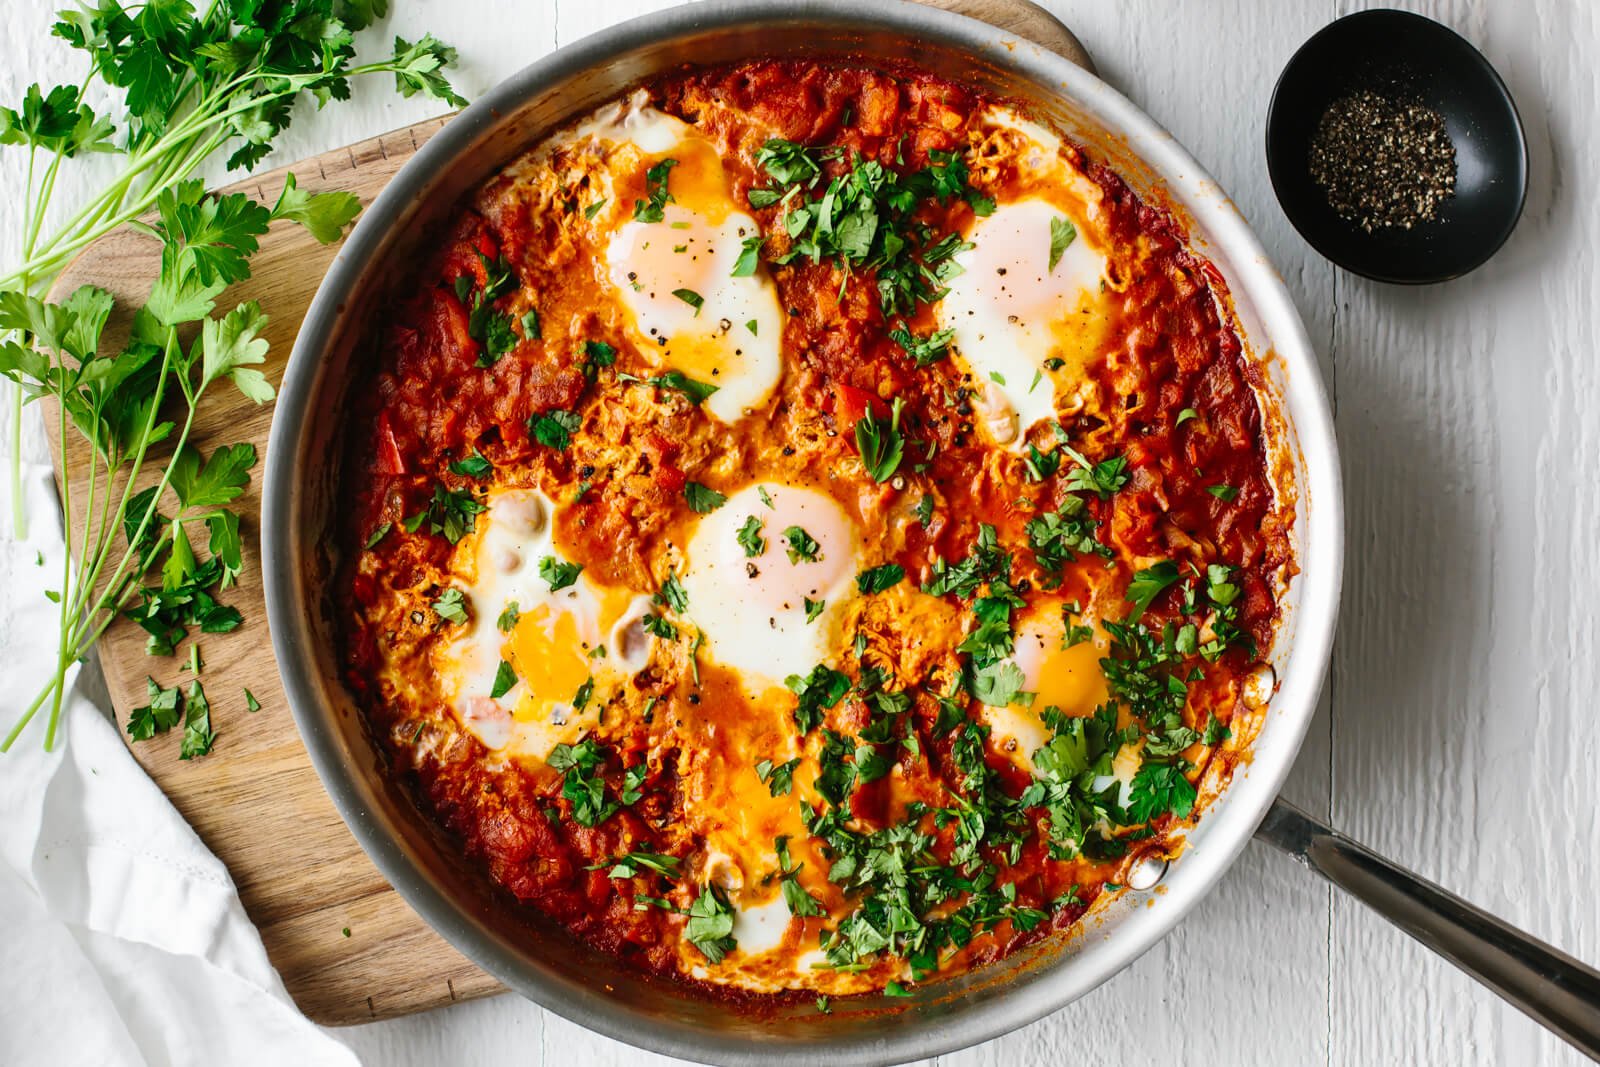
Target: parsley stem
x,y
66,577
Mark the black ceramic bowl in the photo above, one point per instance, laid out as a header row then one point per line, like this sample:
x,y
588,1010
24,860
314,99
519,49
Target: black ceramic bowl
x,y
1407,58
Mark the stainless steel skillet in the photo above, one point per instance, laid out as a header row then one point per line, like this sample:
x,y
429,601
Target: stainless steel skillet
x,y
300,500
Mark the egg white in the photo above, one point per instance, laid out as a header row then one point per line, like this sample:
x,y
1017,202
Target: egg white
x,y
752,608
675,278
561,639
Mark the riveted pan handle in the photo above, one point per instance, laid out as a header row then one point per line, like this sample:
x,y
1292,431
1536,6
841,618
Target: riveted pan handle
x,y
1554,989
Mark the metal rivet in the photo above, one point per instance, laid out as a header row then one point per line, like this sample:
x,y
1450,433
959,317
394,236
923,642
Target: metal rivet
x,y
1147,871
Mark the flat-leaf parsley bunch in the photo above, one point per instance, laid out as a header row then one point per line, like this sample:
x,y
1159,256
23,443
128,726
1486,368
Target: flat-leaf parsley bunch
x,y
193,82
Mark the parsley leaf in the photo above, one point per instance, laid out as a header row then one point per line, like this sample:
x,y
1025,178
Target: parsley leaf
x,y
821,689
158,716
877,579
676,380
925,351
653,209
630,864
749,259
778,777
702,499
673,595
1148,584
559,574
710,925
473,466
1103,478
690,297
198,737
802,546
1159,789
554,428
505,678
800,902
451,605
1062,234
581,784
880,443
750,538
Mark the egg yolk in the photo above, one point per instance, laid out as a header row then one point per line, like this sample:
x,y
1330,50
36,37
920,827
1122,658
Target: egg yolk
x,y
550,657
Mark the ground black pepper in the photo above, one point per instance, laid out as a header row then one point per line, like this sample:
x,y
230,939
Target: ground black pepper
x,y
1383,163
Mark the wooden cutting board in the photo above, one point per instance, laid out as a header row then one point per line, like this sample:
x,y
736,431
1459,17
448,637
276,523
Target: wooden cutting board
x,y
348,948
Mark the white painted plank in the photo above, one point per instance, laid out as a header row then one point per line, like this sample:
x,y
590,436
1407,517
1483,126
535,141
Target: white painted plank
x,y
1465,673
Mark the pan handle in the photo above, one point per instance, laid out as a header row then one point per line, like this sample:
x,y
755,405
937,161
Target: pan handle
x,y
1550,986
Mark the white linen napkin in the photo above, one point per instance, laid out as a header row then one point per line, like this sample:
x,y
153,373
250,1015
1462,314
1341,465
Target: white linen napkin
x,y
123,938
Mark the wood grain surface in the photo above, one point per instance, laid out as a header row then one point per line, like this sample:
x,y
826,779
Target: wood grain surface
x,y
347,946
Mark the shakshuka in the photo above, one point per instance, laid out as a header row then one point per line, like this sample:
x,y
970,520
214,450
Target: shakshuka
x,y
812,530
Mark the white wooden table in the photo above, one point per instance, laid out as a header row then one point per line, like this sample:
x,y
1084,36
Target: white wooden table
x,y
1459,732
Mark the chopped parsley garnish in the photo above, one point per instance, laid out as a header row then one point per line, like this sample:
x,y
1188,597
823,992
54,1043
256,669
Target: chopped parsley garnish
x,y
1215,732
198,736
802,546
877,579
1159,789
597,354
378,534
508,617
750,538
749,259
656,626
580,699
450,513
451,605
690,297
630,864
864,218
473,466
653,209
673,595
678,381
1148,584
818,691
530,325
1103,478
505,677
1061,536
1225,493
801,903
1184,416
554,428
594,209
702,499
582,784
777,777
925,351
158,716
1041,465
485,324
924,509
558,573
710,925
881,443
251,704
1062,234
813,608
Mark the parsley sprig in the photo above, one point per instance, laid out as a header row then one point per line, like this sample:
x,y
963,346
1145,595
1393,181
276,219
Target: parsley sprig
x,y
191,84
